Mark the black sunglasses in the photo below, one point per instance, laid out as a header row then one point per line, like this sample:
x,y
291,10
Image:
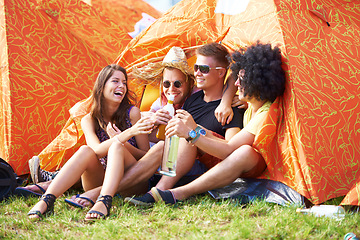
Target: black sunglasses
x,y
167,84
205,68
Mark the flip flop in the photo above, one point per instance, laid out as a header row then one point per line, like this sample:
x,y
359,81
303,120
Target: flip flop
x,y
24,192
75,204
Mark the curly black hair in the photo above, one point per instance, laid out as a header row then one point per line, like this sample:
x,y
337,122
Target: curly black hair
x,y
264,77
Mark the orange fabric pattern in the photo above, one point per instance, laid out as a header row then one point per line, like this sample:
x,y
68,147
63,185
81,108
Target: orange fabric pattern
x,y
51,53
353,196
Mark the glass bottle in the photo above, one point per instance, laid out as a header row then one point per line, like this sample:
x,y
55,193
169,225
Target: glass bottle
x,y
168,165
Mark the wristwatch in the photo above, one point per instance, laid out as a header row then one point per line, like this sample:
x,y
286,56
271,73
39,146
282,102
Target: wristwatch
x,y
192,135
199,132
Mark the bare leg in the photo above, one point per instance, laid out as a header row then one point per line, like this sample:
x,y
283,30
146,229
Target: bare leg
x,y
241,160
185,161
136,174
119,158
83,161
135,180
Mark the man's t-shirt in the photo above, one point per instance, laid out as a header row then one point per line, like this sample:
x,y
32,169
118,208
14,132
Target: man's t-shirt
x,y
204,113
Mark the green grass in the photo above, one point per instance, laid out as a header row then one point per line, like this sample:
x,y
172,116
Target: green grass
x,y
197,218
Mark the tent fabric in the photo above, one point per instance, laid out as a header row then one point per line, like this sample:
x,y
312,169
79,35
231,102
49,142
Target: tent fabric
x,y
310,139
353,196
51,52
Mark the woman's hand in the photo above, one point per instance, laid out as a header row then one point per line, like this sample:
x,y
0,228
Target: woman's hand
x,y
143,126
112,130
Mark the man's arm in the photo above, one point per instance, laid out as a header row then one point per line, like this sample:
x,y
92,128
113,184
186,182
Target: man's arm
x,y
224,113
183,124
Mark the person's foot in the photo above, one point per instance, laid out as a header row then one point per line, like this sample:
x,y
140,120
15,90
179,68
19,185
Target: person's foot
x,y
35,190
146,200
40,187
45,205
163,196
34,166
80,201
37,174
101,209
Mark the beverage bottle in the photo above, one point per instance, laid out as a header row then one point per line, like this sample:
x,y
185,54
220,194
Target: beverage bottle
x,y
160,134
332,211
168,165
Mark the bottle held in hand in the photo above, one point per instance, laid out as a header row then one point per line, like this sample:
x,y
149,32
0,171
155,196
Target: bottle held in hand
x,y
168,165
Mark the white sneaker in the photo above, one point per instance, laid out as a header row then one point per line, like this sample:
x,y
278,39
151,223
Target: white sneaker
x,y
34,165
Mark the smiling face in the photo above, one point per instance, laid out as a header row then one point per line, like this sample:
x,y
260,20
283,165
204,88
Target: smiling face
x,y
115,88
241,75
208,80
171,78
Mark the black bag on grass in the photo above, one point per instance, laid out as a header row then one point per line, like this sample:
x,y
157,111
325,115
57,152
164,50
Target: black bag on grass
x,y
246,190
8,180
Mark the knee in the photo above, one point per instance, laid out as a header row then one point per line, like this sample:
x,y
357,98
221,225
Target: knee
x,y
245,150
159,147
157,150
85,149
247,155
85,153
243,154
116,146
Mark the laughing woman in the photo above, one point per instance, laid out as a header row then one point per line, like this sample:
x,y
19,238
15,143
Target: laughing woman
x,y
112,118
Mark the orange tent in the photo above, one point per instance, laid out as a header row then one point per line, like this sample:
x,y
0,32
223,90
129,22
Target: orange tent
x,y
353,196
311,138
51,53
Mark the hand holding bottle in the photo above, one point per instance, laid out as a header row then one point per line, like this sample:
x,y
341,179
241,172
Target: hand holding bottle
x,y
186,118
180,125
162,116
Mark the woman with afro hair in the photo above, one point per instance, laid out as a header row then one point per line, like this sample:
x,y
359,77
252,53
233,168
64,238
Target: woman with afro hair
x,y
260,80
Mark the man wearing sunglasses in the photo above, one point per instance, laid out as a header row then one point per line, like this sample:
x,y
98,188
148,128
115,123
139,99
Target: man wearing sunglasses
x,y
210,72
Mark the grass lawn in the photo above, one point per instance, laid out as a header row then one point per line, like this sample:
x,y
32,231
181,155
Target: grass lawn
x,y
200,217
